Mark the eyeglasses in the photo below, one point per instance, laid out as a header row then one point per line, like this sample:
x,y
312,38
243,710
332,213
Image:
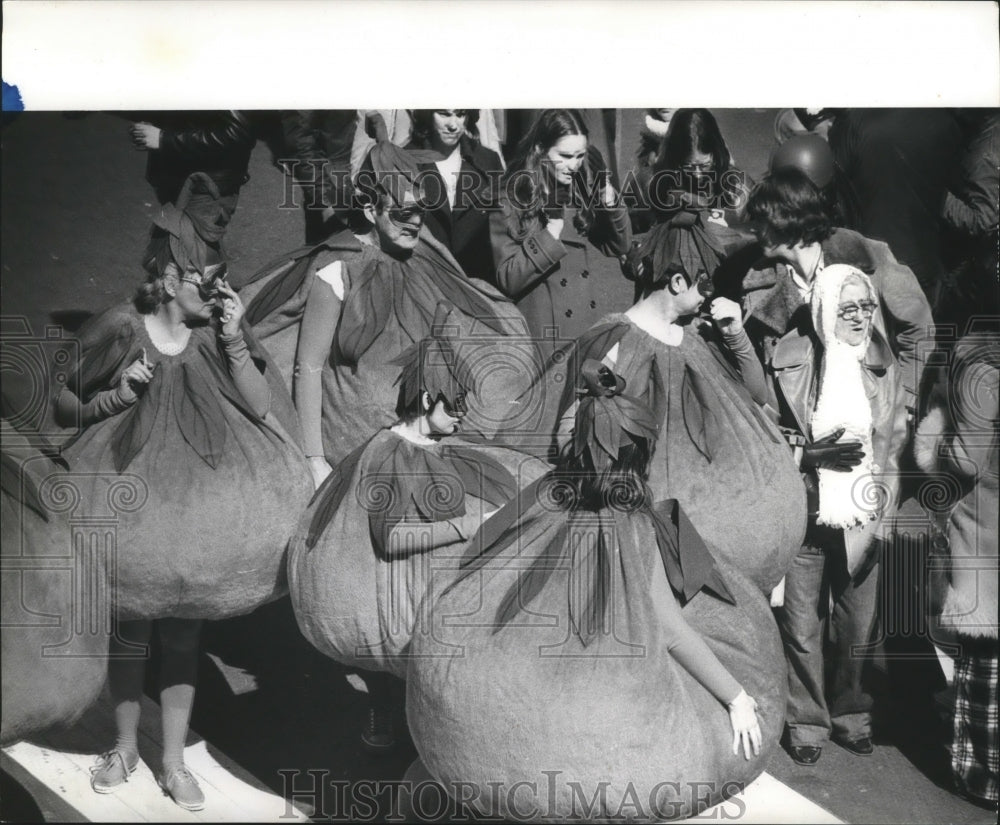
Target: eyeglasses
x,y
456,408
401,215
851,312
207,282
695,168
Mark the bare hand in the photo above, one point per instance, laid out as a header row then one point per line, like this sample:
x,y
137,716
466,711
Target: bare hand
x,y
319,468
746,726
139,372
610,195
145,136
232,309
555,227
728,315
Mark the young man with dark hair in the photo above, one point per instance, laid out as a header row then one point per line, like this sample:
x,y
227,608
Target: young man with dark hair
x,y
797,237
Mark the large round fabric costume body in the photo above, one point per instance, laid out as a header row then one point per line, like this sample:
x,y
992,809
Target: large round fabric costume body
x,y
388,305
717,454
56,611
225,487
547,728
392,518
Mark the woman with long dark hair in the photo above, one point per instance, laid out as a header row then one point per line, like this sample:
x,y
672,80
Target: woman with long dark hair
x,y
559,234
458,188
694,194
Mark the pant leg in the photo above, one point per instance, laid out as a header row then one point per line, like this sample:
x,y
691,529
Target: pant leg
x,y
801,622
854,630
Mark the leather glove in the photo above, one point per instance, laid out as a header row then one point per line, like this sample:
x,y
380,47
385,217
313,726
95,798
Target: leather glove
x,y
829,454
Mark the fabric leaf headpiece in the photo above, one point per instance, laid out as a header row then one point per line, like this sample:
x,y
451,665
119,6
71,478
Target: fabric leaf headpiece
x,y
388,166
435,364
190,231
607,420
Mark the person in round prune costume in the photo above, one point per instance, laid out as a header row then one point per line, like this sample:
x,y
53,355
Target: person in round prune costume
x,y
391,516
337,315
720,456
40,660
576,658
172,388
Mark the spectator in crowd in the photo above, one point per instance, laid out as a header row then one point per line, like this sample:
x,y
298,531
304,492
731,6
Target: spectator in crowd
x,y
970,217
841,404
558,238
180,144
789,217
654,127
812,154
900,163
694,170
318,143
459,189
958,437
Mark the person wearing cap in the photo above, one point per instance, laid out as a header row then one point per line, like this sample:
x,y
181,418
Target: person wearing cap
x,y
836,388
797,239
459,188
341,311
590,622
373,538
172,392
719,453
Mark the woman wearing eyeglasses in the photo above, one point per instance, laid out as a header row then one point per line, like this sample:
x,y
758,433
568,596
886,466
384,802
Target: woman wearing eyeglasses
x,y
837,387
173,393
694,169
694,194
558,238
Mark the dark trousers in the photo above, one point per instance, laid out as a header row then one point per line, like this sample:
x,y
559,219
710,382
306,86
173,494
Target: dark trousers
x,y
826,677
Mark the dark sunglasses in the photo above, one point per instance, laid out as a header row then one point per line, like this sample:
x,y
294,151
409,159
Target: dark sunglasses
x,y
207,282
456,408
404,214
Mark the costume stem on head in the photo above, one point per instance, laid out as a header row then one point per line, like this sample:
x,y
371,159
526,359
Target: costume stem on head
x,y
607,420
435,364
189,232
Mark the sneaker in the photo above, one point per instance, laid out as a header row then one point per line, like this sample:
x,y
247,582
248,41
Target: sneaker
x,y
378,736
112,769
178,783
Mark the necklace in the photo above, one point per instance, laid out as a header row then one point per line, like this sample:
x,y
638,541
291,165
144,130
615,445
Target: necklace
x,y
164,343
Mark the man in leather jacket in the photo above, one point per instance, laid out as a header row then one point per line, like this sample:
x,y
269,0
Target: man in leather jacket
x,y
181,143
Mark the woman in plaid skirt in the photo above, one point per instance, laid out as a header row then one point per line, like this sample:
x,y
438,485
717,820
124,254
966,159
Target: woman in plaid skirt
x,y
959,437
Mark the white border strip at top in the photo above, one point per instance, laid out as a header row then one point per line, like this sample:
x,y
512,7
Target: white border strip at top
x,y
632,53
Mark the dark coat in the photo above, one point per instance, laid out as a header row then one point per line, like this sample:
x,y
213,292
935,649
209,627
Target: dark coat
x,y
899,164
216,143
563,287
904,316
465,229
